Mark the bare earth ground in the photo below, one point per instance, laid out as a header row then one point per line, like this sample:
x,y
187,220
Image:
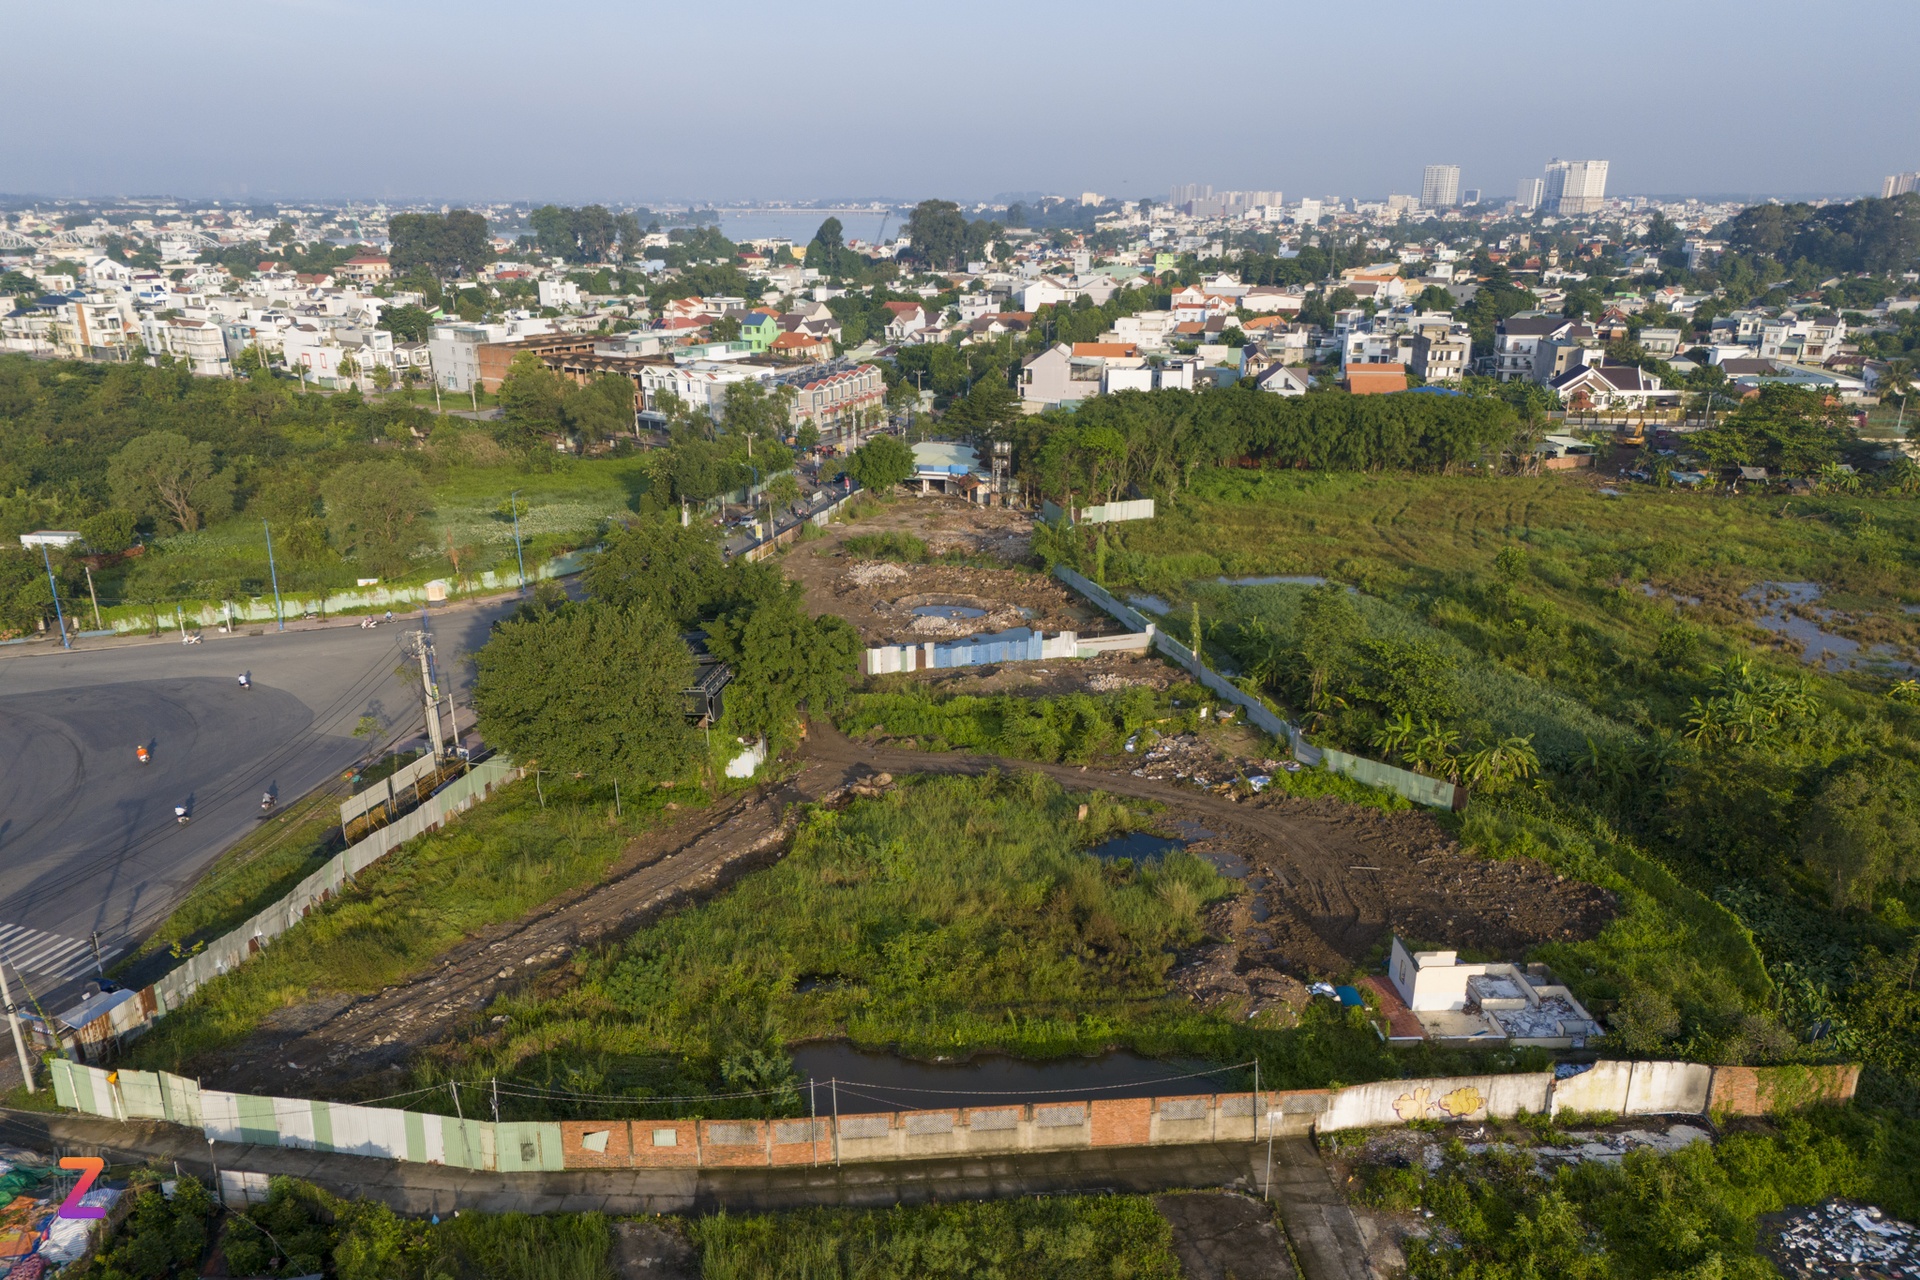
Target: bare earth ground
x,y
877,597
1338,880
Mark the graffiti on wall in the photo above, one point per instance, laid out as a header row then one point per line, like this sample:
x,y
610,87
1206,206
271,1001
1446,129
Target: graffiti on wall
x,y
1420,1104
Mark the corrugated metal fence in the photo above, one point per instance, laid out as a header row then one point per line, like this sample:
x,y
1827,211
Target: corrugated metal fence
x,y
1416,787
171,991
387,790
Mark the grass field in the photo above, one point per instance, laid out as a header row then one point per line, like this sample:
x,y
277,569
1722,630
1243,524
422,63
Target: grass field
x,y
496,863
560,510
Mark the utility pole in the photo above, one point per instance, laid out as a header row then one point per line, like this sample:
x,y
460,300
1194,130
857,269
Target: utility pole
x,y
97,624
13,1021
513,500
278,612
417,645
59,616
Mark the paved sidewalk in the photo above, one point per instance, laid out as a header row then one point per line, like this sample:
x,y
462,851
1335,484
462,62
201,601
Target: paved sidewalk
x,y
1325,1237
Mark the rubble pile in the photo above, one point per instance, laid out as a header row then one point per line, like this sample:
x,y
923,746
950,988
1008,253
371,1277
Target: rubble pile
x,y
1109,681
873,573
1187,758
1841,1238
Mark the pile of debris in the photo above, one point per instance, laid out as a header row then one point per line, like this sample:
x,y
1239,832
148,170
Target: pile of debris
x,y
873,573
1187,758
1109,681
1841,1238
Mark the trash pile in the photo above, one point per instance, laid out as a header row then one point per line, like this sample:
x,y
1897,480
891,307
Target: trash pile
x,y
1187,758
34,1239
873,573
1841,1238
1110,681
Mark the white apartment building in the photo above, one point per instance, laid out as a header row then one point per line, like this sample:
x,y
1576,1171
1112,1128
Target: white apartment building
x,y
1531,192
1576,186
199,343
1440,186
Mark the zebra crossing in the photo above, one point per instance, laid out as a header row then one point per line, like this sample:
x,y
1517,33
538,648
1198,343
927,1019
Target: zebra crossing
x,y
39,954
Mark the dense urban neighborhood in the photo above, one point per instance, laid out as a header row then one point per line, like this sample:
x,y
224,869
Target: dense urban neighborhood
x,y
1213,733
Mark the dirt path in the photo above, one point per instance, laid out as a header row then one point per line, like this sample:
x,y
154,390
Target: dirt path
x,y
1329,881
360,1045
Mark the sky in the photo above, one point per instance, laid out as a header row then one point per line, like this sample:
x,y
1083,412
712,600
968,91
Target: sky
x,y
599,100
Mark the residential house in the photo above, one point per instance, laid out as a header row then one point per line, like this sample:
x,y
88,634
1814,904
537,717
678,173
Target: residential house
x,y
1519,338
1663,343
1801,341
757,328
1442,358
1283,380
909,318
199,343
835,398
1375,379
800,345
1267,299
367,269
1609,386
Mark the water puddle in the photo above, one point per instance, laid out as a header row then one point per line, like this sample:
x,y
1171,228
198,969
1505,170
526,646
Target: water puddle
x,y
1775,599
1152,604
872,1081
951,612
1137,845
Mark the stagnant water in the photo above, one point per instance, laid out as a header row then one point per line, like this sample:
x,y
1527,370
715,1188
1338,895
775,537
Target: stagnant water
x,y
952,612
875,1081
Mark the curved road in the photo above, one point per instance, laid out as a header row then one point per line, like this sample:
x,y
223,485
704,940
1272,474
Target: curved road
x,y
88,840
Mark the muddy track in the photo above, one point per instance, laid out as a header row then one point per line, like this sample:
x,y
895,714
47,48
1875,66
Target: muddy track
x,y
1334,880
360,1045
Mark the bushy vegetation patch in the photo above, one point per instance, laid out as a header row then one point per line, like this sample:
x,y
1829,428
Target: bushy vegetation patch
x,y
1696,1212
1070,728
1038,1238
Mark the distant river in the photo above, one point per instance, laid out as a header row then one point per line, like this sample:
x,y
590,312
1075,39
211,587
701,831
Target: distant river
x,y
798,225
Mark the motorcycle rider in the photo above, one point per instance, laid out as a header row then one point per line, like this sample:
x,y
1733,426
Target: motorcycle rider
x,y
141,753
180,814
246,679
266,800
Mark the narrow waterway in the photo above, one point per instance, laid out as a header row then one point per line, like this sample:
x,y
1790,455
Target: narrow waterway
x,y
864,1080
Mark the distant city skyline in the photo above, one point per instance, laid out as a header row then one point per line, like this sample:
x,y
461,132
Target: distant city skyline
x,y
495,102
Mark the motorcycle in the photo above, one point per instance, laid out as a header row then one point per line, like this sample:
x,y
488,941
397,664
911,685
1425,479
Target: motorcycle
x,y
180,814
246,680
267,802
143,755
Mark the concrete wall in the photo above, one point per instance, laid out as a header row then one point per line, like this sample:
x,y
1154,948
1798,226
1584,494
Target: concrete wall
x,y
887,659
1628,1088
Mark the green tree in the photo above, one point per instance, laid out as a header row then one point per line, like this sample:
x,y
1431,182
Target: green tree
x,y
880,464
782,659
601,409
375,511
657,563
588,688
408,323
532,401
937,235
108,531
166,476
1862,830
444,245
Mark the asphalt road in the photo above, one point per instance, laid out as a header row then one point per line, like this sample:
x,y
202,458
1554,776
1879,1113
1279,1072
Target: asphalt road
x,y
88,839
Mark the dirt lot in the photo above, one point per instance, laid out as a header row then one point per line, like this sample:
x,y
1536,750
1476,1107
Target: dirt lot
x,y
878,597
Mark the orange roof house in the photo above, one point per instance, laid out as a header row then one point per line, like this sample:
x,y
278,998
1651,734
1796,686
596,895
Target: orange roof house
x,y
1375,379
1108,350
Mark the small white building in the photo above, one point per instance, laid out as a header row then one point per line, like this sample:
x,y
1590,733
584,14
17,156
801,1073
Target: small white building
x,y
1490,1002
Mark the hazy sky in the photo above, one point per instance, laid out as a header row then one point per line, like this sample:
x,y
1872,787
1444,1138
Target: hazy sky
x,y
577,100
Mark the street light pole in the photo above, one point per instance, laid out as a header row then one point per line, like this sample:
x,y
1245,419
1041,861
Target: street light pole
x,y
513,500
59,616
13,1021
278,612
